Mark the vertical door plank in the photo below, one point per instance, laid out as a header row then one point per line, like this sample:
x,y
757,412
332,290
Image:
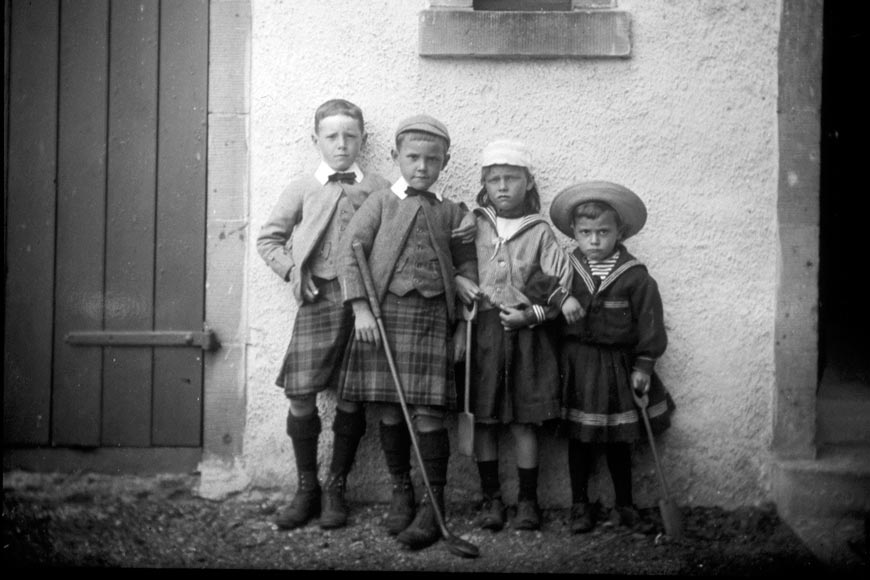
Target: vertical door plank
x,y
30,226
130,211
80,219
180,258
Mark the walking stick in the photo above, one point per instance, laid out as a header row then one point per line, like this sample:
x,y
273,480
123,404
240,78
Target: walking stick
x,y
455,544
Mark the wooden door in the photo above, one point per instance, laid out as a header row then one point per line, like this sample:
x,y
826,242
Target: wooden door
x,y
105,234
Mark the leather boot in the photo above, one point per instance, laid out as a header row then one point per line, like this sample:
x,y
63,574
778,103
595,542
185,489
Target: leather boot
x,y
305,505
492,513
402,504
424,530
334,510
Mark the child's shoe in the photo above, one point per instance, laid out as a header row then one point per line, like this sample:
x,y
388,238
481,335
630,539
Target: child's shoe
x,y
629,517
625,516
492,513
582,518
424,530
402,504
305,505
528,515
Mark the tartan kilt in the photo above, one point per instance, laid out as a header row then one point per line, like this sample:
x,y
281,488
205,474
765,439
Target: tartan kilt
x,y
596,387
422,348
514,375
317,346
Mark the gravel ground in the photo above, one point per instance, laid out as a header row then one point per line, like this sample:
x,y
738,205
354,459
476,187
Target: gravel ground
x,y
93,521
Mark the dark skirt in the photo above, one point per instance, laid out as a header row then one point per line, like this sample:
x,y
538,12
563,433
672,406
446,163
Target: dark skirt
x,y
514,375
317,346
599,407
422,348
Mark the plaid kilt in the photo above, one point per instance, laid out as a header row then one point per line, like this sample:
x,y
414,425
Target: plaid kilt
x,y
514,375
320,336
417,331
598,406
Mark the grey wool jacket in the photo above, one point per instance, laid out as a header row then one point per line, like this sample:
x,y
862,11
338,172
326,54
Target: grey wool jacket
x,y
381,226
294,229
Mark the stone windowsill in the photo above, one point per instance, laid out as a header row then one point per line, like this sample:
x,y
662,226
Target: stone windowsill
x,y
445,33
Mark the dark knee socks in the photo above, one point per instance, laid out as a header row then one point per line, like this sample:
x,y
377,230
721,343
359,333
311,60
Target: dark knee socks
x,y
348,429
528,484
435,449
304,433
619,464
396,444
489,480
581,462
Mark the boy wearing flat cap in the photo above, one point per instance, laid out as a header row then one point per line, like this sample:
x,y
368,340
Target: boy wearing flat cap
x,y
612,350
416,258
298,242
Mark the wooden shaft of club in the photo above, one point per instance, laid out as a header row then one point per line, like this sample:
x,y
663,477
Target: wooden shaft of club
x,y
467,365
373,304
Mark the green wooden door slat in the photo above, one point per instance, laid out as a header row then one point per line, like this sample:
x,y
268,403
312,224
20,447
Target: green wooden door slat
x,y
30,215
130,215
181,186
80,219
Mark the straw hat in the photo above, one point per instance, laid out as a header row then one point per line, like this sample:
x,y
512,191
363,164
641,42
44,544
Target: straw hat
x,y
627,204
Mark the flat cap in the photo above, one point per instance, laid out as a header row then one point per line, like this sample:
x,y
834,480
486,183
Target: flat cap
x,y
426,124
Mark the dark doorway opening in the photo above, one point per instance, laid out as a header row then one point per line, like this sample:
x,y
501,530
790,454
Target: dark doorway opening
x,y
844,305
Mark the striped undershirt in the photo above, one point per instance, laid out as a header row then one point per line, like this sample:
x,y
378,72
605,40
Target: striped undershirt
x,y
602,268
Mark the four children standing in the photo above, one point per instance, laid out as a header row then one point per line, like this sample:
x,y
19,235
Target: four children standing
x,y
557,335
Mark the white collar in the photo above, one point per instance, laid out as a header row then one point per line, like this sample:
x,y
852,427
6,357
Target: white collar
x,y
324,171
401,185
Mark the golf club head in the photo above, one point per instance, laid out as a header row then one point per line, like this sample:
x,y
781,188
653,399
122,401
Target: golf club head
x,y
459,547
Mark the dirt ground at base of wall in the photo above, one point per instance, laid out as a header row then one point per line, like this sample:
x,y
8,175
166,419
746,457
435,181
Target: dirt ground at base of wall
x,y
100,522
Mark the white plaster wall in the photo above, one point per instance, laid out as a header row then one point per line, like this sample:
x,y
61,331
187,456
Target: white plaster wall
x,y
688,122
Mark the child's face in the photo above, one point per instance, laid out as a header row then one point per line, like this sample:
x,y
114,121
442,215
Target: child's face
x,y
506,187
420,162
339,140
596,237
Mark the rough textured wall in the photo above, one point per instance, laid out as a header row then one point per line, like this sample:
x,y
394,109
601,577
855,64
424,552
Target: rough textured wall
x,y
688,122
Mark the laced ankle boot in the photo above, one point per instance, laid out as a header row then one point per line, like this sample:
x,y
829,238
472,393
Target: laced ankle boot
x,y
334,509
396,444
305,505
424,530
402,504
348,429
304,432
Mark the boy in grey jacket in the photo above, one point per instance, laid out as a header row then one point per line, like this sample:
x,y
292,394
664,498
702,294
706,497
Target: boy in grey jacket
x,y
299,242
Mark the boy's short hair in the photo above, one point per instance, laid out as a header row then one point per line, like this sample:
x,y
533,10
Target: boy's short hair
x,y
338,107
595,209
423,127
